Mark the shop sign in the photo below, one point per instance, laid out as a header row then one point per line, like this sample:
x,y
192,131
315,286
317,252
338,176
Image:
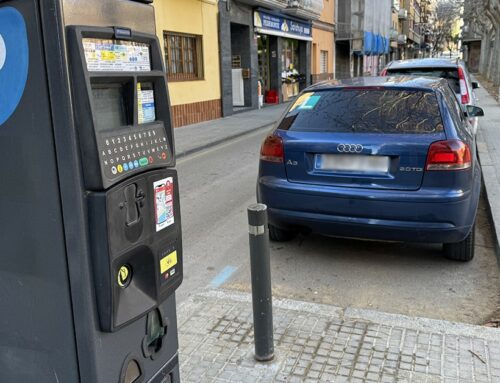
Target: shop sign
x,y
280,26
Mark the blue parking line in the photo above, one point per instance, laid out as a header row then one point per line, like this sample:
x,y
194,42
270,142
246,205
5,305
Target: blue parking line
x,y
223,276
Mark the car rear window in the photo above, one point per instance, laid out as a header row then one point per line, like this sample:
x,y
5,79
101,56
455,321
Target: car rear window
x,y
365,111
450,74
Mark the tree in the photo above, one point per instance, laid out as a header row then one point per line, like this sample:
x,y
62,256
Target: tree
x,y
448,13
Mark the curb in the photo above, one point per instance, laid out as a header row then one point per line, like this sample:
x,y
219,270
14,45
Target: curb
x,y
491,189
197,149
435,326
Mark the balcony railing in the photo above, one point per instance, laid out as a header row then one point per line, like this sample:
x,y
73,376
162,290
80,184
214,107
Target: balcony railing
x,y
403,14
343,31
393,34
309,9
414,36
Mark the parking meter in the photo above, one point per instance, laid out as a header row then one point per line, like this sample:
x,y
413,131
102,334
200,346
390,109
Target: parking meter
x,y
90,243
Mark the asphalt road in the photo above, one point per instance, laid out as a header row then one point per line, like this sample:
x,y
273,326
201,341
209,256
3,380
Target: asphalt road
x,y
413,279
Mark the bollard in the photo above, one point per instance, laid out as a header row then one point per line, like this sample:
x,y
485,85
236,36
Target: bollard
x,y
260,268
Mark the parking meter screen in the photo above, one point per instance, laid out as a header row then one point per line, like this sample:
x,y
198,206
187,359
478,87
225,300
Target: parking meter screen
x,y
109,107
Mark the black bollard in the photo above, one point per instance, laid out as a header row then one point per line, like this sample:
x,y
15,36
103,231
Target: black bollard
x,y
260,267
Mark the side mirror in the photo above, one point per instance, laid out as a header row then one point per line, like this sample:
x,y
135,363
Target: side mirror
x,y
475,85
474,111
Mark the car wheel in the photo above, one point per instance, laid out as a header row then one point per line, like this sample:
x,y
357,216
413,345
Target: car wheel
x,y
463,250
280,235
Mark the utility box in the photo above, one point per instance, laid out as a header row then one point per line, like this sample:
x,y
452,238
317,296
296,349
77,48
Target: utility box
x,y
90,236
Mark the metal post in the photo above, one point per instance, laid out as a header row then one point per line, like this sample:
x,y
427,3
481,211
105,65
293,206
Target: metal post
x,y
260,268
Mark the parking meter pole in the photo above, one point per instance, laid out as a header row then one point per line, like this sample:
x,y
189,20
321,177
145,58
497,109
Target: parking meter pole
x,y
261,282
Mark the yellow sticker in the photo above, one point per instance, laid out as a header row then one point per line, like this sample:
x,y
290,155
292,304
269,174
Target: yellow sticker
x,y
108,55
168,262
301,100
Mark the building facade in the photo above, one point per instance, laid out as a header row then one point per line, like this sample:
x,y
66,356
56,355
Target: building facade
x,y
187,30
410,16
323,44
362,37
264,50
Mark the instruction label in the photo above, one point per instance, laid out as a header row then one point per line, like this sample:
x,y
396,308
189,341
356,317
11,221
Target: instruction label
x,y
168,265
146,105
104,55
164,203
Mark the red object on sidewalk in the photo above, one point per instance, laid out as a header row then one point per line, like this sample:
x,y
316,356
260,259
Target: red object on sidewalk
x,y
272,97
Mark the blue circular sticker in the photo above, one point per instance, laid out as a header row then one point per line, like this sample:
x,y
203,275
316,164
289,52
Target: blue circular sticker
x,y
14,57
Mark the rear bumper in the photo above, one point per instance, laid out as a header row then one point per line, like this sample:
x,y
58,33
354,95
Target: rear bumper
x,y
419,216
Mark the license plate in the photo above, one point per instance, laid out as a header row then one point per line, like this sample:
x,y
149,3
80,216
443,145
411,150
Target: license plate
x,y
352,163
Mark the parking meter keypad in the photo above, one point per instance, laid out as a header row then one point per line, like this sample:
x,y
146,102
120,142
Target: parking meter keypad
x,y
127,152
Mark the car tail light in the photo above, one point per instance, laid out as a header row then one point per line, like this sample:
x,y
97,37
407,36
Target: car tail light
x,y
272,149
464,92
448,155
384,72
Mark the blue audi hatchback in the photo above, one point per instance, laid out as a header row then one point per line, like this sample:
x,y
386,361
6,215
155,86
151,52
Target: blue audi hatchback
x,y
386,158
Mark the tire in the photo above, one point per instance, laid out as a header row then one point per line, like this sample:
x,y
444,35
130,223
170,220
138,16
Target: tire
x,y
280,235
461,251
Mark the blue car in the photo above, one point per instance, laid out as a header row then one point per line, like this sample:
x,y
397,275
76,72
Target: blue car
x,y
386,158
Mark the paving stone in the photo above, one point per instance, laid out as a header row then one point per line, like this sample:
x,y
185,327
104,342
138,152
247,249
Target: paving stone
x,y
216,345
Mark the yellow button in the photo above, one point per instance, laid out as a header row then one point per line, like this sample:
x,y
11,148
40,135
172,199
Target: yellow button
x,y
124,276
120,168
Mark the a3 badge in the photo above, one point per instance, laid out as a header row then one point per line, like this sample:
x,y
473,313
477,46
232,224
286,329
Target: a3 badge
x,y
14,59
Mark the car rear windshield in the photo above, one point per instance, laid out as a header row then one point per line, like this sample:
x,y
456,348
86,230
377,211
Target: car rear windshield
x,y
365,111
450,74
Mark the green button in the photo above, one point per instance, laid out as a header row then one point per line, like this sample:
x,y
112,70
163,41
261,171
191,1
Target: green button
x,y
143,161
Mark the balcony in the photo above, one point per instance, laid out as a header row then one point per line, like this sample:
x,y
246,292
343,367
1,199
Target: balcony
x,y
402,39
308,9
273,4
403,14
393,35
343,31
414,36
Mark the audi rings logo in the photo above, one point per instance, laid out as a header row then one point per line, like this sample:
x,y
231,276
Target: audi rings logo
x,y
350,148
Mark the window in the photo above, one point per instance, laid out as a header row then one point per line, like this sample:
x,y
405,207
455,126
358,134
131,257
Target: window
x,y
290,54
365,111
183,56
323,62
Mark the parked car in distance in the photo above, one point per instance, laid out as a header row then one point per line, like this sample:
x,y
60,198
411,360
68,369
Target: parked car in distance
x,y
454,70
387,158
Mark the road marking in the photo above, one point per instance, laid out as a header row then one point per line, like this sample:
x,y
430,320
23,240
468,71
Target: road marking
x,y
220,146
223,276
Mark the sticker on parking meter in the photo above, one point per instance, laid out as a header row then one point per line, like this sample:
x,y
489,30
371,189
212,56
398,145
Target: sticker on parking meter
x,y
116,55
14,60
168,263
145,104
164,203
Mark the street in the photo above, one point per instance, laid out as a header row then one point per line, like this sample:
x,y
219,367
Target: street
x,y
411,279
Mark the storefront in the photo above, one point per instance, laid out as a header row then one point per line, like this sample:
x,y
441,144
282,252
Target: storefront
x,y
262,52
292,39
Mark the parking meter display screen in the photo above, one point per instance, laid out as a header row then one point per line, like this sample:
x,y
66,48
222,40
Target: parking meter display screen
x,y
106,55
109,107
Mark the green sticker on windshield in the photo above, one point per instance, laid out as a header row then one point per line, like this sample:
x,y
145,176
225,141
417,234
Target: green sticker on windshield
x,y
310,103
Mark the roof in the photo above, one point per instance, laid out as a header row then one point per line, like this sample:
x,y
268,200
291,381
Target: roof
x,y
403,82
424,63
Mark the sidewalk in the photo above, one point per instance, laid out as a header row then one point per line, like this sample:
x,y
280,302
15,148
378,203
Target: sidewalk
x,y
488,139
321,343
196,137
